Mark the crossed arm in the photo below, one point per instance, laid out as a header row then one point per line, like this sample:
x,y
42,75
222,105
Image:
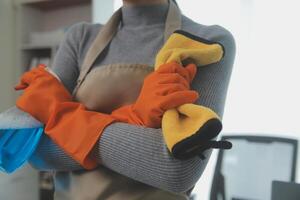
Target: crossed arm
x,y
140,153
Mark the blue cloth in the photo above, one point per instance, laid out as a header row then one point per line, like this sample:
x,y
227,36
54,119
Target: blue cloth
x,y
17,146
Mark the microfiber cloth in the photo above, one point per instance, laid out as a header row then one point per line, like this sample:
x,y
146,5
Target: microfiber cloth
x,y
189,129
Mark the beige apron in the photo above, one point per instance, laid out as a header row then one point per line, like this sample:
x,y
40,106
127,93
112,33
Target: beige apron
x,y
102,89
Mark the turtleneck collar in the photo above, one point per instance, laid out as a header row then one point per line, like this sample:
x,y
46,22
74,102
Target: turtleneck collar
x,y
144,15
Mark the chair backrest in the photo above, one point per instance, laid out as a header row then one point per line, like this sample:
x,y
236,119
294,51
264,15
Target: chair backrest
x,y
285,190
247,170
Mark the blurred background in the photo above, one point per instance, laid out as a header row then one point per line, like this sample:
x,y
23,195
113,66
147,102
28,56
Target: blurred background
x,y
262,108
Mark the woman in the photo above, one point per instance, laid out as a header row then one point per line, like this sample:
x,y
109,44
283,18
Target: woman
x,y
133,151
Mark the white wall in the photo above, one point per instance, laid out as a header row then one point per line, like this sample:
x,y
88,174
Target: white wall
x,y
102,10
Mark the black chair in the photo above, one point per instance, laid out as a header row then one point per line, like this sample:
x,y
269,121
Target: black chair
x,y
247,170
285,190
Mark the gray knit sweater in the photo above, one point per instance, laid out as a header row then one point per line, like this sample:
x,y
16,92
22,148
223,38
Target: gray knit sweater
x,y
133,151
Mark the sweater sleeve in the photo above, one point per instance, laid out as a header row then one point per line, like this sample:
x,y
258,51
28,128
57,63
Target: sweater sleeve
x,y
65,64
140,153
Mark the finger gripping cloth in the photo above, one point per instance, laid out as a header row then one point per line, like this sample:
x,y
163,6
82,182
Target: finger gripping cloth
x,y
188,129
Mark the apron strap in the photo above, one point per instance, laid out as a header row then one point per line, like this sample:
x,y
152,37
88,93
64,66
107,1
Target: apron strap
x,y
108,31
105,35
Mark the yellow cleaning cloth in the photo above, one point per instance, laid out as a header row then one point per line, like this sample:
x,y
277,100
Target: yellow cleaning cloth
x,y
187,128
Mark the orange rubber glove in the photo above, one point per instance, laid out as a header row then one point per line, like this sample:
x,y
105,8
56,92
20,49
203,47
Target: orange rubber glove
x,y
35,100
67,123
166,88
77,130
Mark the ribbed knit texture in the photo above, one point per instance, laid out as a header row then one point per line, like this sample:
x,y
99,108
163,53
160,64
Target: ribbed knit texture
x,y
137,152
